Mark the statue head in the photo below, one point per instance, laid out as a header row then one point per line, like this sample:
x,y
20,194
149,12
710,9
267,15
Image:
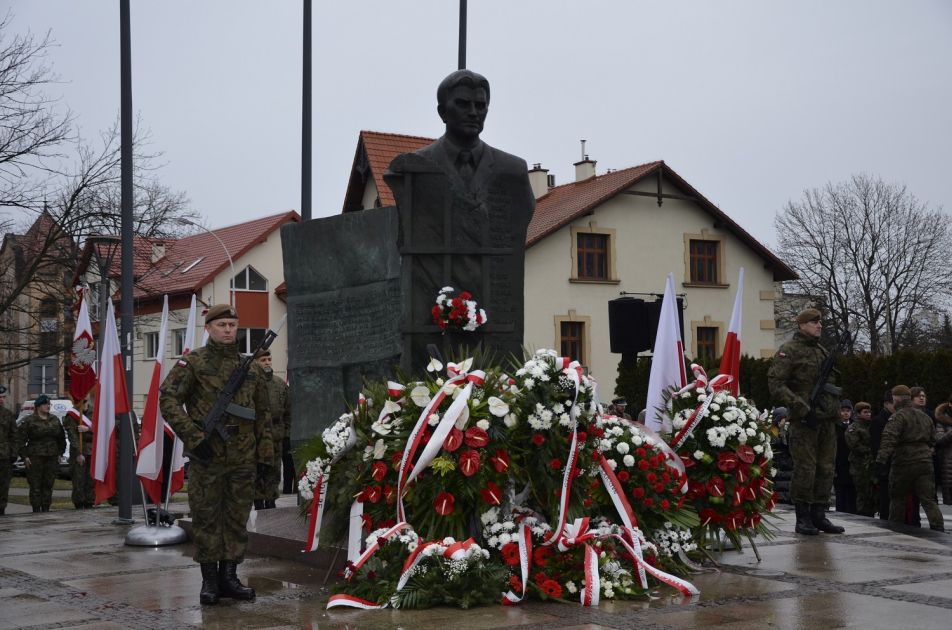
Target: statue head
x,y
463,102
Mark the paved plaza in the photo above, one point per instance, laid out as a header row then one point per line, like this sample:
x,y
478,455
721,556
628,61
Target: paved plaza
x,y
68,569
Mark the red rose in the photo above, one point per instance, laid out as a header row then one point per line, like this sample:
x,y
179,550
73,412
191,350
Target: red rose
x,y
651,477
665,477
378,471
469,462
659,488
623,475
665,504
437,311
555,463
500,461
510,554
552,589
648,502
638,492
476,437
538,439
491,494
643,464
746,454
444,503
454,440
466,295
582,436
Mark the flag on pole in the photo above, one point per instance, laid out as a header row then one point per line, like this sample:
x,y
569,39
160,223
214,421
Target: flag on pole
x,y
667,361
82,356
152,438
178,448
111,400
730,360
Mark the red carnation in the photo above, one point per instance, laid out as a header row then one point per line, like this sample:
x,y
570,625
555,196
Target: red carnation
x,y
582,436
638,492
555,463
510,554
552,589
648,502
378,471
500,461
623,475
538,439
643,464
469,462
640,452
746,454
454,440
659,488
444,503
651,477
476,437
491,494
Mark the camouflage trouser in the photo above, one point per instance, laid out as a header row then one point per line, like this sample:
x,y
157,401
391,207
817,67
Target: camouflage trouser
x,y
813,452
865,489
219,498
41,474
918,477
5,474
268,487
83,493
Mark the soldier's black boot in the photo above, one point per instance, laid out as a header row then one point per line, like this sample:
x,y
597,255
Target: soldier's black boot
x,y
36,509
269,504
259,504
209,595
228,583
804,522
821,522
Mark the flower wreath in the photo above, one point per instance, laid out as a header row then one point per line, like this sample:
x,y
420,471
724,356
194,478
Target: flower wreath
x,y
459,312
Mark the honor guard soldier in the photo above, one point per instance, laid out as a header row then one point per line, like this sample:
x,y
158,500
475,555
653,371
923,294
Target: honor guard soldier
x,y
267,488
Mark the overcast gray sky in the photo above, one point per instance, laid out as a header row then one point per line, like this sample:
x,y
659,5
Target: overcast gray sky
x,y
750,101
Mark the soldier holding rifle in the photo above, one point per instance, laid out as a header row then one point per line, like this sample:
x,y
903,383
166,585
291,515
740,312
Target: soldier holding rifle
x,y
218,403
801,379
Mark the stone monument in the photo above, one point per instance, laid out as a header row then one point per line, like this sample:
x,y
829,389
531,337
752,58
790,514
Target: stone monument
x,y
361,285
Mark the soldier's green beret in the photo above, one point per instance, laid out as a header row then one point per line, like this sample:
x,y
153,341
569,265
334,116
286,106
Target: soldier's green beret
x,y
42,399
220,311
808,315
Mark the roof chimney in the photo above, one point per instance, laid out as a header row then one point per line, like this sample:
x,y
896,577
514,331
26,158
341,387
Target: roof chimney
x,y
539,180
584,169
158,251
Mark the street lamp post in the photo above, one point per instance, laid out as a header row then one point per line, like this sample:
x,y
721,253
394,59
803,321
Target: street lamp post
x,y
234,274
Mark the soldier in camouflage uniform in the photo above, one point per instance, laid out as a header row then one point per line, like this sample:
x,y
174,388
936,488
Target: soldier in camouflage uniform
x,y
221,482
909,439
793,373
267,488
8,454
40,442
80,448
861,459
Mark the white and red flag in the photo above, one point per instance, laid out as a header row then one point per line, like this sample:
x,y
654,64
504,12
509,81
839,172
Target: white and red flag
x,y
152,438
730,360
82,356
178,448
112,399
667,361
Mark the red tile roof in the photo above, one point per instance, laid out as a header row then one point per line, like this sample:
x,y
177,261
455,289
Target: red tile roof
x,y
377,150
191,262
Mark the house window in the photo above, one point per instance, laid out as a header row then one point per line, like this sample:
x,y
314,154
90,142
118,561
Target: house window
x,y
249,338
151,345
704,263
250,280
49,326
706,343
572,340
178,342
593,255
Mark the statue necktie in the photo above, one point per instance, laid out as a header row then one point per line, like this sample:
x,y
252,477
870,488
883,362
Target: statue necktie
x,y
464,164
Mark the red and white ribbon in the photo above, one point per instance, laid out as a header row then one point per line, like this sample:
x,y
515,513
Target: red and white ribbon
x,y
372,549
719,382
395,389
525,565
680,584
316,514
567,476
349,601
589,593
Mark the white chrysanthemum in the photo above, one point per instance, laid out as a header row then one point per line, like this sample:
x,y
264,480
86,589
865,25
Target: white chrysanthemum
x,y
622,447
628,460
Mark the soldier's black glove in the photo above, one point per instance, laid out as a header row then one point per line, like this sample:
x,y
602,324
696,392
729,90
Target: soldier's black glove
x,y
202,453
809,420
285,447
263,470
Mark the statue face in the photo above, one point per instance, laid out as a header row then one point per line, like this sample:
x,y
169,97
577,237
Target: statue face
x,y
464,113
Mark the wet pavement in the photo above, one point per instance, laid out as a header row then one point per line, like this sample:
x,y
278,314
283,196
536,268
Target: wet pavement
x,y
68,569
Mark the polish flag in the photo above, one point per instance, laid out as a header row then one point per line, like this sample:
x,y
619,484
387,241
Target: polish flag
x,y
112,399
151,439
82,357
178,448
730,360
667,361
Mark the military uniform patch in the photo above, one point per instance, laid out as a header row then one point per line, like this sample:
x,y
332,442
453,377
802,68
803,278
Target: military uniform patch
x,y
181,363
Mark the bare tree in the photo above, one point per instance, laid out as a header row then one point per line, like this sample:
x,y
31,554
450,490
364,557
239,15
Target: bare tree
x,y
872,254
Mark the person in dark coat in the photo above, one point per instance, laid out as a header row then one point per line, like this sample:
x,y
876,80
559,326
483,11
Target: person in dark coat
x,y
876,428
842,479
943,449
41,440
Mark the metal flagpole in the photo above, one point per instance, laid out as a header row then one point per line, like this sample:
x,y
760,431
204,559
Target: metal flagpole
x,y
306,118
462,34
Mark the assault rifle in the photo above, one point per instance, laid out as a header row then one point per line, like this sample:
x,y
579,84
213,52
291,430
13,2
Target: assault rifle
x,y
822,384
213,419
